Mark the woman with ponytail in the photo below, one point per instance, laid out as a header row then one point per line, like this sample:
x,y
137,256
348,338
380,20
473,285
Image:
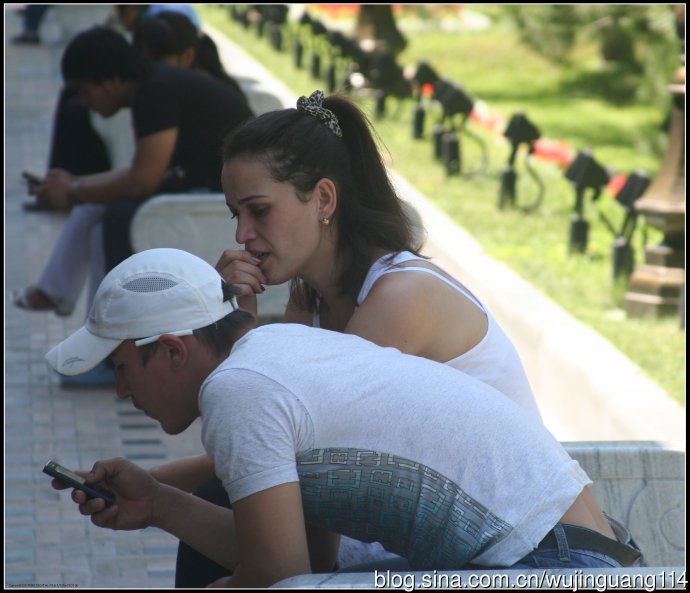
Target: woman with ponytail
x,y
315,206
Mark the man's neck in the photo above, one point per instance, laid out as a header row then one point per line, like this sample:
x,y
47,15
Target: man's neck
x,y
241,332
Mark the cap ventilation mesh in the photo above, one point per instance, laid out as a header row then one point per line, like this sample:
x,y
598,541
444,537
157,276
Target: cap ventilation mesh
x,y
149,284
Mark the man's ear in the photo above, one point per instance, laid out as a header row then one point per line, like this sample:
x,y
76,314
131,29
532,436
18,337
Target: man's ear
x,y
174,349
186,59
327,195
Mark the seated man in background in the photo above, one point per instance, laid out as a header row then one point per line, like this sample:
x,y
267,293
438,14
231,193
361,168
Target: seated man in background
x,y
180,118
76,144
309,426
168,37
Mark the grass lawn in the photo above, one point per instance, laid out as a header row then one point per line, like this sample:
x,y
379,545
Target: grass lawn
x,y
496,69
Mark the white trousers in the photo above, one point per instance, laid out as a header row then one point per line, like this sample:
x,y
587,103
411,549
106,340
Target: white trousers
x,y
77,254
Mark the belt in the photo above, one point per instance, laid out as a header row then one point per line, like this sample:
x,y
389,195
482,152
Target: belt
x,y
587,539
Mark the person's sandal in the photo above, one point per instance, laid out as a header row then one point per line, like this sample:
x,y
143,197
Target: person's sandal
x,y
32,298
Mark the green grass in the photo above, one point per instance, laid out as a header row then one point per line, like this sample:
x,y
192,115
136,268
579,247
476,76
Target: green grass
x,y
563,102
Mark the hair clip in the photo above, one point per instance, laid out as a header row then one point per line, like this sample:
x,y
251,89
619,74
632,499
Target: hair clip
x,y
313,105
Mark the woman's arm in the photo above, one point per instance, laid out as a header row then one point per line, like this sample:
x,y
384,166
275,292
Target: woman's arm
x,y
419,314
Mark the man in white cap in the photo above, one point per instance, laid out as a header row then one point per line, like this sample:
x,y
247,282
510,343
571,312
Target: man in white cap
x,y
307,426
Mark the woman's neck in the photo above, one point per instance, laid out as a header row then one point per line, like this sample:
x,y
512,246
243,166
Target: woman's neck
x,y
336,313
335,307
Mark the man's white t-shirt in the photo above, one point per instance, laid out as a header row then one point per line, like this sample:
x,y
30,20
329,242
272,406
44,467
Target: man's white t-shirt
x,y
437,466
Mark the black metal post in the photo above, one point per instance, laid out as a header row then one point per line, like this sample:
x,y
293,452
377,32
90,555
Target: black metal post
x,y
298,49
437,138
277,37
579,227
330,77
418,121
380,103
315,64
506,194
450,149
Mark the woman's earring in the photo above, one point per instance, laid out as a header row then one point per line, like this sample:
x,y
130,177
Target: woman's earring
x,y
325,221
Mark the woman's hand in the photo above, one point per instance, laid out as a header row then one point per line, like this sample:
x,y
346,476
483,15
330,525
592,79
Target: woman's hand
x,y
241,269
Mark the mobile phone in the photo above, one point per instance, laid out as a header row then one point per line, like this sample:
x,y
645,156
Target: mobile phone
x,y
32,179
69,478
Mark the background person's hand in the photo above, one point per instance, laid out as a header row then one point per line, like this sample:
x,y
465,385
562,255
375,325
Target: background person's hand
x,y
55,189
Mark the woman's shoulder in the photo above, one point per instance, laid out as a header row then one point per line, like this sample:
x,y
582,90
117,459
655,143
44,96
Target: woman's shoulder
x,y
386,263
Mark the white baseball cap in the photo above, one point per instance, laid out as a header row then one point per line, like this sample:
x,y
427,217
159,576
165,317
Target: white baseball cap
x,y
154,292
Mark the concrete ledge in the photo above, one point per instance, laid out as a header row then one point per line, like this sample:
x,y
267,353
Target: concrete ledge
x,y
642,485
586,388
646,579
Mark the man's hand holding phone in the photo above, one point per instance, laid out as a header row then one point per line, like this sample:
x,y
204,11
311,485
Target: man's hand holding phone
x,y
32,180
68,479
132,489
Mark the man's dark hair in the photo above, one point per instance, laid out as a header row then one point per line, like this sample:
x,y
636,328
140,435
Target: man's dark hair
x,y
219,336
164,35
99,54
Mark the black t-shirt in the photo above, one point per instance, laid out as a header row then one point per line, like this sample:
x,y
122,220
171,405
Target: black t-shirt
x,y
203,109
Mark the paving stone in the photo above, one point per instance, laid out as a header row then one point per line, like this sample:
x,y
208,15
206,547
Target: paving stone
x,y
47,541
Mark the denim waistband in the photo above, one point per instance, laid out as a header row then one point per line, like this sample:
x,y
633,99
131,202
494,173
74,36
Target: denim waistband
x,y
588,539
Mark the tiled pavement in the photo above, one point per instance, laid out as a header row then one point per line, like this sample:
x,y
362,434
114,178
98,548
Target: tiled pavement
x,y
47,541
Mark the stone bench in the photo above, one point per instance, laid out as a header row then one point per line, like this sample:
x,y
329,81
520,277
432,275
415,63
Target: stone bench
x,y
641,484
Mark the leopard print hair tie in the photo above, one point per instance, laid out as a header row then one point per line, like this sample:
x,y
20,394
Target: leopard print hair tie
x,y
313,106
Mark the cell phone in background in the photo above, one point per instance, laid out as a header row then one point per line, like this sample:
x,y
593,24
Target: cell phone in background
x,y
32,179
69,478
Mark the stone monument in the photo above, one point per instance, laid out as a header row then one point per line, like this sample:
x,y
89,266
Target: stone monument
x,y
656,287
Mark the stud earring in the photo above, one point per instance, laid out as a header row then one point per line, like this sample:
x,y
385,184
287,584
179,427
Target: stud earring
x,y
325,221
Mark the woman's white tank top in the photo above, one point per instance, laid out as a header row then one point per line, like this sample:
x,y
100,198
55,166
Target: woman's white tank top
x,y
493,360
